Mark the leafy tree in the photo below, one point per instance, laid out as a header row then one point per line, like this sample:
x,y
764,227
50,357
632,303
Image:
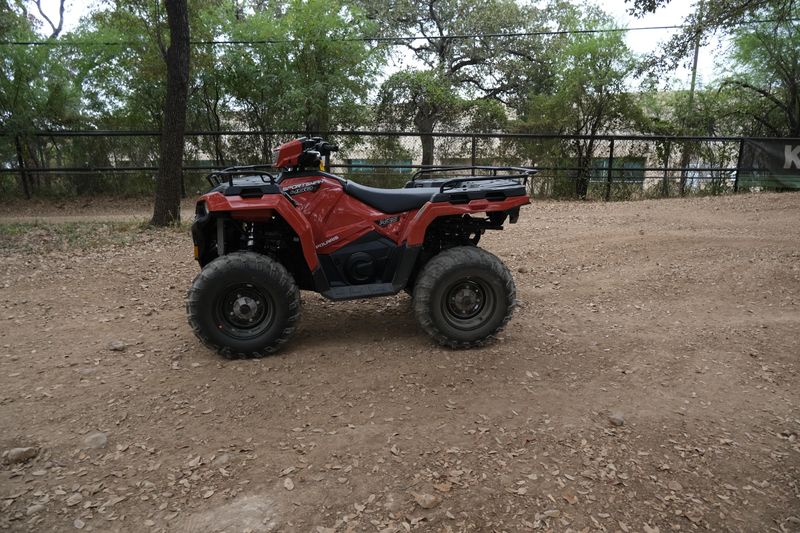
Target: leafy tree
x,y
421,99
464,59
311,73
765,75
590,96
715,15
36,93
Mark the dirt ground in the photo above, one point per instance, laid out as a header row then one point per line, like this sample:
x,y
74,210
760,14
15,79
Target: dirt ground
x,y
647,382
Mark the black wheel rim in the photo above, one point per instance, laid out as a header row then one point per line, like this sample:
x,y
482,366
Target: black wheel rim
x,y
244,311
468,303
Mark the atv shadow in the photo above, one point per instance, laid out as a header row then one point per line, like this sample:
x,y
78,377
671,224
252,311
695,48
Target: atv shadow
x,y
356,322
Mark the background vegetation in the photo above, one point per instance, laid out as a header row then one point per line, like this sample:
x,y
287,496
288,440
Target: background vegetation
x,y
316,65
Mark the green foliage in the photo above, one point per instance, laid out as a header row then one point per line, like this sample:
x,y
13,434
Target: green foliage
x,y
314,83
423,99
589,76
458,72
311,73
37,92
715,15
590,97
765,75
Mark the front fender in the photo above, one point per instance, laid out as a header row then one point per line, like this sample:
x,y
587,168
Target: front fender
x,y
261,209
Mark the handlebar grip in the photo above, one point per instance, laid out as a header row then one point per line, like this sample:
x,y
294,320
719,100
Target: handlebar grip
x,y
331,147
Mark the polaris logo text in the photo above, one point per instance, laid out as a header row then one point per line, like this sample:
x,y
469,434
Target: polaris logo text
x,y
326,242
300,188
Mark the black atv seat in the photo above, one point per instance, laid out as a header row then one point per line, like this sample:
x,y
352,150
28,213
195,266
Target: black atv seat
x,y
391,200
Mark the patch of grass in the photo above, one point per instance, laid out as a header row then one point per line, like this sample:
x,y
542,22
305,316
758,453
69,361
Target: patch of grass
x,y
47,236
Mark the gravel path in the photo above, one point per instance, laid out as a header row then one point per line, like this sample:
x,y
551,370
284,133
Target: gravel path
x,y
647,382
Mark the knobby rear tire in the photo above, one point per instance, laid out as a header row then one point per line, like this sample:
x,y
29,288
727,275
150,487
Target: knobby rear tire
x,y
441,287
268,289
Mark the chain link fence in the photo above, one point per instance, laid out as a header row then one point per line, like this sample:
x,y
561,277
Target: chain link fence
x,y
608,167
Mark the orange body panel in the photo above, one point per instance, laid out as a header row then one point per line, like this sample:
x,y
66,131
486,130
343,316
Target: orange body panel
x,y
326,218
414,233
256,208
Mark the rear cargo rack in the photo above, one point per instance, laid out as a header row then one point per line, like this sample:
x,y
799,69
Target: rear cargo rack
x,y
217,178
514,173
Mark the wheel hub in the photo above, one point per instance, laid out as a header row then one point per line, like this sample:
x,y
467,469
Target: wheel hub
x,y
465,300
245,308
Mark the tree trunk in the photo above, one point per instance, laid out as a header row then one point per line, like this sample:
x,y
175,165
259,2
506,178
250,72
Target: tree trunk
x,y
582,175
214,121
167,208
427,149
425,125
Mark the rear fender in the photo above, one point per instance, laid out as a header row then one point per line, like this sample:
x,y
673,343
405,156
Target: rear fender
x,y
414,233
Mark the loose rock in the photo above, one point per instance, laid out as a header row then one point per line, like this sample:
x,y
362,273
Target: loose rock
x,y
95,440
674,485
35,508
616,419
221,460
427,501
20,455
116,346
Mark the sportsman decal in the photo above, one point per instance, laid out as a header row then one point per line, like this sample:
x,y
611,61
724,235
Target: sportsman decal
x,y
300,188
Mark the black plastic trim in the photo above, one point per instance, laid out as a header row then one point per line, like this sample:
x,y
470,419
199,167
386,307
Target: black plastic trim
x,y
202,225
252,191
320,280
404,270
459,196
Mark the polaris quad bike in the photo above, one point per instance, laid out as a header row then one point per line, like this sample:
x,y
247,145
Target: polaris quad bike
x,y
261,236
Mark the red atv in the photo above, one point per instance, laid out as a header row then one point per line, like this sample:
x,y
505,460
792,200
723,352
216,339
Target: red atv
x,y
261,237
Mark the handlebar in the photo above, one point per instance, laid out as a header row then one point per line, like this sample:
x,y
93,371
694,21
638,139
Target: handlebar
x,y
325,148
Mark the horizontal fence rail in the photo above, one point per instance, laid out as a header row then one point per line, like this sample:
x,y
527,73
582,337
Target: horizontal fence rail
x,y
608,167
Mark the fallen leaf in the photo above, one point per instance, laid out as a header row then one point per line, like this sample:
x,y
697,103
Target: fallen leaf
x,y
426,501
443,487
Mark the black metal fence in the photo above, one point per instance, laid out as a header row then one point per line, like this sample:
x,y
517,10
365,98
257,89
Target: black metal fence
x,y
607,167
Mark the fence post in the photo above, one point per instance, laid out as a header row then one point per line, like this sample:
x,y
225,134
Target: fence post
x,y
685,160
665,180
738,166
23,172
610,169
474,153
